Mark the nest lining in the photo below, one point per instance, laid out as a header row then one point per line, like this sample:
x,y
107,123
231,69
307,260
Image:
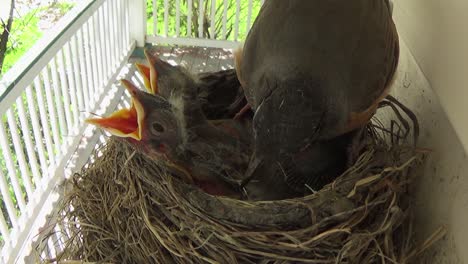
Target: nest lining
x,y
124,208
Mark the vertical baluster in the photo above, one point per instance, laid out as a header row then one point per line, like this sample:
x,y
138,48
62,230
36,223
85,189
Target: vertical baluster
x,y
83,70
59,239
236,22
63,227
127,23
45,254
4,186
65,94
166,17
52,252
58,99
102,32
118,18
45,121
38,139
116,34
200,18
52,115
107,41
112,34
225,9
73,91
155,17
177,18
89,68
20,158
75,60
122,26
92,47
120,30
90,62
97,46
109,35
189,18
4,232
249,17
11,167
213,19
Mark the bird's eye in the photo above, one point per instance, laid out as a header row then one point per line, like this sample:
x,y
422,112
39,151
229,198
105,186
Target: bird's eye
x,y
157,127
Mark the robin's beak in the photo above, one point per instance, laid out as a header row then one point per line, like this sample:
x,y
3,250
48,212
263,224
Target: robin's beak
x,y
150,74
126,122
153,73
145,72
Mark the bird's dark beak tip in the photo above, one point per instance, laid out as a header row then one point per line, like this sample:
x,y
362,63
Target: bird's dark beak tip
x,y
131,88
151,58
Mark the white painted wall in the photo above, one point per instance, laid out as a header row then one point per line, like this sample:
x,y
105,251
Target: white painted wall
x,y
436,31
434,68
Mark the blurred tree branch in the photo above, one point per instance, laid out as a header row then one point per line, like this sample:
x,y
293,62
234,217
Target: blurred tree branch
x,y
6,34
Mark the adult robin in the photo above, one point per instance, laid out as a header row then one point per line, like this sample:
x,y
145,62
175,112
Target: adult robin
x,y
313,71
209,154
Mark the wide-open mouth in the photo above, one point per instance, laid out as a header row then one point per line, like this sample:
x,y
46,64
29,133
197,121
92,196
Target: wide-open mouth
x,y
146,74
149,73
126,122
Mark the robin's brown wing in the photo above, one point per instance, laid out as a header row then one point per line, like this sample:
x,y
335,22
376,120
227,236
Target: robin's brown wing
x,y
381,68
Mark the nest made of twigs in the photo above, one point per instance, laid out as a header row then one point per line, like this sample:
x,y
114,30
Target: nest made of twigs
x,y
124,208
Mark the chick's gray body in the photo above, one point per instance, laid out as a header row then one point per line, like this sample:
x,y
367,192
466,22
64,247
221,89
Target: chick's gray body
x,y
214,153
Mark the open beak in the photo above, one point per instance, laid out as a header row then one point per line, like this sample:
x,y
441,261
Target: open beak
x,y
145,72
152,60
126,122
150,74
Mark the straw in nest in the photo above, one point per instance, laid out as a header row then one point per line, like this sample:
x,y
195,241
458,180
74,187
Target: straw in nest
x,y
124,208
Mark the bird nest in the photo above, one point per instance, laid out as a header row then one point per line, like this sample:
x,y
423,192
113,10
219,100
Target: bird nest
x,y
124,208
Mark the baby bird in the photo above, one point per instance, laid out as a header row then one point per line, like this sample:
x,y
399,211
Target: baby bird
x,y
168,124
219,94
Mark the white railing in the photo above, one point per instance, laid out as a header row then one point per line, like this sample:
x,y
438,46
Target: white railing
x,y
207,23
44,99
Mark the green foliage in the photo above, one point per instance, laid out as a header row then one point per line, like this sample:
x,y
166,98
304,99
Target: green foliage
x,y
25,32
219,11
